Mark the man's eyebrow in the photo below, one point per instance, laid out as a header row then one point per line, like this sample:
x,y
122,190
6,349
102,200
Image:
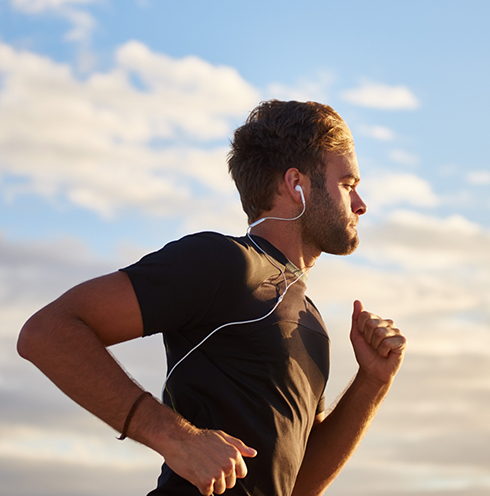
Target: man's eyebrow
x,y
354,177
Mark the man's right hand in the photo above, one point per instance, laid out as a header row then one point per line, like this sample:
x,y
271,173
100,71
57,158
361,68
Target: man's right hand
x,y
211,460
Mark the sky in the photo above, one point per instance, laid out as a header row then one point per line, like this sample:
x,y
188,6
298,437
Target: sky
x,y
115,121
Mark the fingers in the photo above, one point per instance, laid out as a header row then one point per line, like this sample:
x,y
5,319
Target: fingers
x,y
376,329
396,344
378,344
239,445
240,468
230,480
222,483
211,460
230,465
226,481
381,334
358,309
227,478
384,338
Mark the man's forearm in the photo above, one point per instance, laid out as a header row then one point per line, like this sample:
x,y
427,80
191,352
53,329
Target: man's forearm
x,y
69,353
76,360
334,440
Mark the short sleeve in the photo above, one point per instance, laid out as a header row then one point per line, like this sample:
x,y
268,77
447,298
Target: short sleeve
x,y
176,285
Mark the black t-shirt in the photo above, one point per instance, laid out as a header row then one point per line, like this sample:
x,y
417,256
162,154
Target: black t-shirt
x,y
261,382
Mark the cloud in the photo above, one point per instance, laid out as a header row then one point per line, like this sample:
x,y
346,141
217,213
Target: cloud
x,y
82,449
426,270
379,133
403,157
432,242
56,478
478,177
144,135
32,273
83,23
441,402
431,275
36,6
382,189
191,94
42,430
108,143
440,396
381,96
315,88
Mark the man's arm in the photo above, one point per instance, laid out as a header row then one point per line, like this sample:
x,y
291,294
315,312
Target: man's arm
x,y
67,341
379,349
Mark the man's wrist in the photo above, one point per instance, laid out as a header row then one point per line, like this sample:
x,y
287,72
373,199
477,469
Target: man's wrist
x,y
372,384
157,426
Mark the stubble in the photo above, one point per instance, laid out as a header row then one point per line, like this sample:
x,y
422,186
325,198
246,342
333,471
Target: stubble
x,y
326,227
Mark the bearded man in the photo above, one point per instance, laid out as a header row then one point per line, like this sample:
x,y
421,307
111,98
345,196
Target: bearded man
x,y
247,351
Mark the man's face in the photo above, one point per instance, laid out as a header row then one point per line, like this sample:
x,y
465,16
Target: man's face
x,y
329,222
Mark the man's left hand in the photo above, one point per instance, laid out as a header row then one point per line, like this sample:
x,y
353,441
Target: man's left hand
x,y
379,346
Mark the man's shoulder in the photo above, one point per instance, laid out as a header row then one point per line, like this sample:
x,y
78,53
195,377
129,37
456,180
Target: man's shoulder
x,y
201,248
210,241
206,237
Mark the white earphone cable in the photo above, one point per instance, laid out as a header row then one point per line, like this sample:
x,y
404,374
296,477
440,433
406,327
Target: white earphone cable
x,y
280,298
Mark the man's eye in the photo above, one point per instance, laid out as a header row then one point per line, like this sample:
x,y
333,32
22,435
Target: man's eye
x,y
348,187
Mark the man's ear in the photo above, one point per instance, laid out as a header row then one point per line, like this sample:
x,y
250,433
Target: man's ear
x,y
292,179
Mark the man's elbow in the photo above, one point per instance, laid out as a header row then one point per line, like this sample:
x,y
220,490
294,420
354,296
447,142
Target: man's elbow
x,y
26,343
33,336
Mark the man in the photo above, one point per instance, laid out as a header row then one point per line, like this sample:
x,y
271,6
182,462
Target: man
x,y
247,351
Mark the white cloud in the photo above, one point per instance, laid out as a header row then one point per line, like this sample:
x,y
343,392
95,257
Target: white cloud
x,y
380,133
30,443
431,275
403,157
384,189
189,93
416,254
32,273
35,6
478,177
429,243
92,142
83,23
95,142
441,391
315,88
381,96
454,225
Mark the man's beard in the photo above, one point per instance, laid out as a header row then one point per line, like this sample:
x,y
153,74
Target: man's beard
x,y
325,227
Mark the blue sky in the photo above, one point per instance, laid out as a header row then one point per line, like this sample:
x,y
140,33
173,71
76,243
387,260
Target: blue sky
x,y
435,50
115,118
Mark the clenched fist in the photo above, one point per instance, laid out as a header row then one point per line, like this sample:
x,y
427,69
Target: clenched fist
x,y
378,344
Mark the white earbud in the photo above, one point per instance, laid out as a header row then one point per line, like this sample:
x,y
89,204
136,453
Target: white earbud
x,y
297,188
300,190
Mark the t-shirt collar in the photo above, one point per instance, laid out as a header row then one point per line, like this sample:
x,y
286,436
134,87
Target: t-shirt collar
x,y
272,251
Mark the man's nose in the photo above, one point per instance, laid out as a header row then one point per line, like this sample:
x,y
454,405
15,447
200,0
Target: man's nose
x,y
358,205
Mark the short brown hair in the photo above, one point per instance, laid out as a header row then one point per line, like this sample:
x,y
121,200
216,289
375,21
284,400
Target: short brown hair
x,y
277,136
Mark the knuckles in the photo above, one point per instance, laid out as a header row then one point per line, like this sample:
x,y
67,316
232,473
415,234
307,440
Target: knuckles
x,y
380,332
374,323
228,466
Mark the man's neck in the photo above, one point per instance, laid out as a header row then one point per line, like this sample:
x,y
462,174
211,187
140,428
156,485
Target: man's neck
x,y
288,240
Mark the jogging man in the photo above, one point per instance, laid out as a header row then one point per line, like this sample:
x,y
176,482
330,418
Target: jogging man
x,y
247,351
